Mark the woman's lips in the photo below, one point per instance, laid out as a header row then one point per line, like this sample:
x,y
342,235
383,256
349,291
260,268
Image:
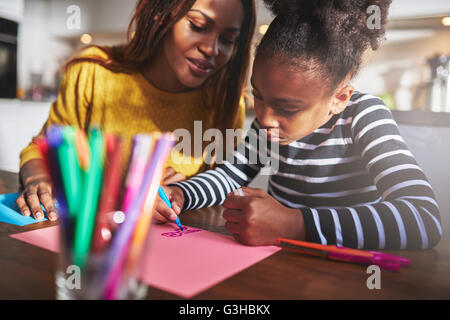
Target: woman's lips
x,y
200,67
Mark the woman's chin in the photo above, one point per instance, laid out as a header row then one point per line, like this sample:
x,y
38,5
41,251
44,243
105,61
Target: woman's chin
x,y
193,83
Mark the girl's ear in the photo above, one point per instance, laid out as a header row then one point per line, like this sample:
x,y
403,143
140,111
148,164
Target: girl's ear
x,y
341,98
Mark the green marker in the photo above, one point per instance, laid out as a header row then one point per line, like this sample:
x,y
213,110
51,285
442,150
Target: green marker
x,y
91,192
70,170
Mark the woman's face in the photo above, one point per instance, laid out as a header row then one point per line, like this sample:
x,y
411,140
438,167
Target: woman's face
x,y
202,42
291,104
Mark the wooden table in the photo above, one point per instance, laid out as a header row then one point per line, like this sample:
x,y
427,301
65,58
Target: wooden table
x,y
27,272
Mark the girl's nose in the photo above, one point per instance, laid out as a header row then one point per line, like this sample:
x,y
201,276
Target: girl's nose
x,y
266,117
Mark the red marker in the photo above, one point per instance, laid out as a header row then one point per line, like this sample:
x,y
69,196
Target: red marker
x,y
42,144
110,192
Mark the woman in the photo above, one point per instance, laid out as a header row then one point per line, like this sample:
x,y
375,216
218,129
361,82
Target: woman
x,y
185,60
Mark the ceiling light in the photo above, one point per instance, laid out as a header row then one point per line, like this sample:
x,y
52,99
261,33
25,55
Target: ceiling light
x,y
446,21
86,38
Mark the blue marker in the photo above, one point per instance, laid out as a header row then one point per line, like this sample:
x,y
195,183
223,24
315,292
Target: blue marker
x,y
163,196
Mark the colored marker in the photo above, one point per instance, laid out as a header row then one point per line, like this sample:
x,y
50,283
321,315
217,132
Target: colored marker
x,y
142,148
70,169
83,152
110,192
54,140
91,194
121,240
143,225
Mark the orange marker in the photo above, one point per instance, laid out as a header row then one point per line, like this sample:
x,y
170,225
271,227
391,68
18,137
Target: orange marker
x,y
83,151
383,260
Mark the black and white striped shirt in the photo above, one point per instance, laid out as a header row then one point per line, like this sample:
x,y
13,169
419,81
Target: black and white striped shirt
x,y
353,179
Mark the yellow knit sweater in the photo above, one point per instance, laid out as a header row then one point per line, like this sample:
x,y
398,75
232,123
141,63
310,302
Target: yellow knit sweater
x,y
127,104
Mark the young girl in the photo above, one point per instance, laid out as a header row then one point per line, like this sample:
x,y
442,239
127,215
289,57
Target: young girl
x,y
185,60
345,175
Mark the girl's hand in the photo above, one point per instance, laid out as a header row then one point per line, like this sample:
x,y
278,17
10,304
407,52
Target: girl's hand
x,y
162,212
172,176
37,190
258,219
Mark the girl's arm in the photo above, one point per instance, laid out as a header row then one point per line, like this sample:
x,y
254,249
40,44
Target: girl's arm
x,y
408,215
211,187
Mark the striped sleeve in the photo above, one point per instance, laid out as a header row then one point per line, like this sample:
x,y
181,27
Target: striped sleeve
x,y
407,217
211,187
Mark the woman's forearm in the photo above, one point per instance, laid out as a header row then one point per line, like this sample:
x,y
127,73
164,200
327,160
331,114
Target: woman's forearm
x,y
33,170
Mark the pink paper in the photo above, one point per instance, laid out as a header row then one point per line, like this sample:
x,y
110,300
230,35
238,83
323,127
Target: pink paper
x,y
185,263
46,238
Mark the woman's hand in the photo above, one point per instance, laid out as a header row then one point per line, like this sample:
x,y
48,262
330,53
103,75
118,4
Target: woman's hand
x,y
258,219
37,190
162,212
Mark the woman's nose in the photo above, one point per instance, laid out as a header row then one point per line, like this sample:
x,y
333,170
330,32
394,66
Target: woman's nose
x,y
210,46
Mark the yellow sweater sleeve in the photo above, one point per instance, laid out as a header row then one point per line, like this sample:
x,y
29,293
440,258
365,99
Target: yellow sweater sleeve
x,y
72,104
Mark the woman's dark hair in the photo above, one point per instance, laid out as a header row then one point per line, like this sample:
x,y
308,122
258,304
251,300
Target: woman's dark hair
x,y
327,37
148,26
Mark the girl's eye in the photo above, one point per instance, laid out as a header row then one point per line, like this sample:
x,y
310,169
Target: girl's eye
x,y
196,28
256,95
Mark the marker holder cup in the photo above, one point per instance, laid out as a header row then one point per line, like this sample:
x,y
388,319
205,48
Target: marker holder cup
x,y
87,283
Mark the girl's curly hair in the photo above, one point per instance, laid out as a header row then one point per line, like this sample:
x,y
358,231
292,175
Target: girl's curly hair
x,y
324,36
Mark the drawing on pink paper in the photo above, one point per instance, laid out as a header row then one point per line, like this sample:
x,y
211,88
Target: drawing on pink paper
x,y
182,265
177,232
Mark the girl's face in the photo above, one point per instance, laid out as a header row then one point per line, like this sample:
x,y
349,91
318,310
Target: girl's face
x,y
201,42
291,104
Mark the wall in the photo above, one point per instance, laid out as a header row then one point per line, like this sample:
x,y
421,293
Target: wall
x,y
38,51
418,8
45,42
113,15
399,66
11,9
20,122
430,148
97,16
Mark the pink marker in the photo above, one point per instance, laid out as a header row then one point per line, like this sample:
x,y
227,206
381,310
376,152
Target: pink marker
x,y
141,153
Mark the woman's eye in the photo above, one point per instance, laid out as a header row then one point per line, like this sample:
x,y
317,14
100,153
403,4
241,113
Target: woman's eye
x,y
196,28
227,41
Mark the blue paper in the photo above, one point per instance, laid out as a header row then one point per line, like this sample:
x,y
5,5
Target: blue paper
x,y
10,213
